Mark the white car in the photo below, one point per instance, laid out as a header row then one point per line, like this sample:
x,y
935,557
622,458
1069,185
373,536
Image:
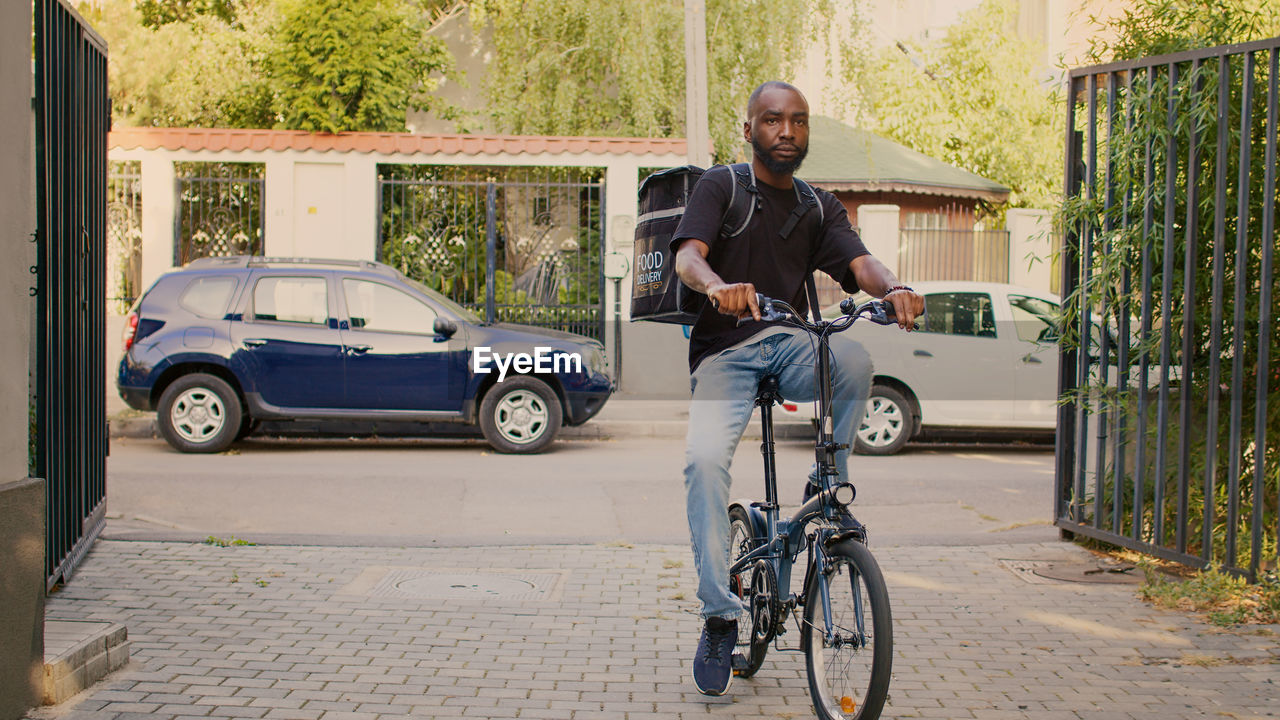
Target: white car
x,y
984,359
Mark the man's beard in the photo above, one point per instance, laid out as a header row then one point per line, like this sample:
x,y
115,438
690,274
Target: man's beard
x,y
775,165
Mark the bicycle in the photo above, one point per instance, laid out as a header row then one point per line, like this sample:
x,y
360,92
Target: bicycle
x,y
846,631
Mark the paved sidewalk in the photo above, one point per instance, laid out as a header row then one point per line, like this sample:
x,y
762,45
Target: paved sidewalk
x,y
608,631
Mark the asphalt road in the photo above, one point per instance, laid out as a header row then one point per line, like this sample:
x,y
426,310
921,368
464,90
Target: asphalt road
x,y
445,493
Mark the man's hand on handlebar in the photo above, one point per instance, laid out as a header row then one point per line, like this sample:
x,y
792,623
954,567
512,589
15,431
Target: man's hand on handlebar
x,y
907,305
736,299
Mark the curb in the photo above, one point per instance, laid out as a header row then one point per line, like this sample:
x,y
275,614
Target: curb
x,y
144,427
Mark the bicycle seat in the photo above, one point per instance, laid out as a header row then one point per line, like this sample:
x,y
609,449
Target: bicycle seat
x,y
768,392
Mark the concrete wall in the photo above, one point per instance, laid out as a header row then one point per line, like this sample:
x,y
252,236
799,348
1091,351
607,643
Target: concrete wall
x,y
21,499
21,596
1030,249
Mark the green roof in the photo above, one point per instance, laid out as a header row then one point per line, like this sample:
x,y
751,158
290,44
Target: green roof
x,y
845,158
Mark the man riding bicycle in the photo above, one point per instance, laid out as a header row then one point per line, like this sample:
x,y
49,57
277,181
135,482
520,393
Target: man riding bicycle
x,y
728,358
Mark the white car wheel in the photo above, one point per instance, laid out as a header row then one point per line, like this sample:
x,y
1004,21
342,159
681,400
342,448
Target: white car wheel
x,y
887,425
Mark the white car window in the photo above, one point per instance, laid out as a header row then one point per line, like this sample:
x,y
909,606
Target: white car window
x,y
1034,319
962,313
291,299
377,307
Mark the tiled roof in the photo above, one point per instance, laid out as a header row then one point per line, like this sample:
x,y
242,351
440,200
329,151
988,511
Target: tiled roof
x,y
213,140
846,158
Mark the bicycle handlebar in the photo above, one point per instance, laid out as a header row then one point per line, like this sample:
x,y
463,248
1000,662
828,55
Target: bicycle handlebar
x,y
877,311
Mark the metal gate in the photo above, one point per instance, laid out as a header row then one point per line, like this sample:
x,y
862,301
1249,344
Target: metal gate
x,y
1167,444
72,119
124,234
519,245
947,245
219,210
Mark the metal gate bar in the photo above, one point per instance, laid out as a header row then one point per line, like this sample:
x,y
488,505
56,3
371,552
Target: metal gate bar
x,y
72,119
1144,458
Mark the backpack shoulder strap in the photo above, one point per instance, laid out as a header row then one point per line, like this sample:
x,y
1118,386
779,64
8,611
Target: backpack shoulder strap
x,y
743,198
806,201
809,199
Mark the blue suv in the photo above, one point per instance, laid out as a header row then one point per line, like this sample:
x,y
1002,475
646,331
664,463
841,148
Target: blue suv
x,y
226,342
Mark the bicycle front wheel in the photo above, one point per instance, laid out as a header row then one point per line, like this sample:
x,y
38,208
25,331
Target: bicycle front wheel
x,y
849,665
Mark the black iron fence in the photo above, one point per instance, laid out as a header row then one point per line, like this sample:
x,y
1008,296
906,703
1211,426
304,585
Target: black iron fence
x,y
1167,436
952,245
219,210
124,234
514,244
72,119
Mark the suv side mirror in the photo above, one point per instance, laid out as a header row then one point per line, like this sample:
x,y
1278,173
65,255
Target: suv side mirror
x,y
444,328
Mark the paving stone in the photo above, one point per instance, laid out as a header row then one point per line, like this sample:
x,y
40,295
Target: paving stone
x,y
972,640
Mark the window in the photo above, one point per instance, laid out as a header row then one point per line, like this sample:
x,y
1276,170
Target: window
x,y
374,306
1034,319
207,297
291,299
968,314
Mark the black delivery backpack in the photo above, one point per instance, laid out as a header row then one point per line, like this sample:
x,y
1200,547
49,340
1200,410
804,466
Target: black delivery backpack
x,y
657,295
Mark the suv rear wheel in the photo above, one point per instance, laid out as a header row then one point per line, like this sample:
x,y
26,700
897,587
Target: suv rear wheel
x,y
199,413
520,415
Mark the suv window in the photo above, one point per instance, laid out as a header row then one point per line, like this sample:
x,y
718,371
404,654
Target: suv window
x,y
1034,319
968,314
374,306
291,299
207,297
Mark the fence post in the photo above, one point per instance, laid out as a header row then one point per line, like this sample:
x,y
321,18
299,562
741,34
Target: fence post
x,y
278,237
491,249
879,227
159,205
1030,248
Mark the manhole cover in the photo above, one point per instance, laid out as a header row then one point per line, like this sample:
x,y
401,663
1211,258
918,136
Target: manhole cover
x,y
464,586
1043,572
1090,572
426,583
1026,570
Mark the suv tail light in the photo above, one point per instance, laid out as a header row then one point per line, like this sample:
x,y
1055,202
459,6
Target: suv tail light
x,y
130,330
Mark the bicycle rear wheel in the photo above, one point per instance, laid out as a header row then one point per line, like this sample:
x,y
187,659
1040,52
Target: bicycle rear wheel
x,y
753,641
848,672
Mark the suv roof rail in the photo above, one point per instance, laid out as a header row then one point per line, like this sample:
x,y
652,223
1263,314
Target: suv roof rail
x,y
262,261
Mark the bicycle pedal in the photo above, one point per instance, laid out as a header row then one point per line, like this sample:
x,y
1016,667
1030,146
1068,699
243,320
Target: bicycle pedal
x,y
738,662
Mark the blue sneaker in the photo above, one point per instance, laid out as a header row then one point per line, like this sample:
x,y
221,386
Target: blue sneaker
x,y
713,665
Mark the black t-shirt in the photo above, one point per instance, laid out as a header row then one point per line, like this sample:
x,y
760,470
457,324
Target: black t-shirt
x,y
759,255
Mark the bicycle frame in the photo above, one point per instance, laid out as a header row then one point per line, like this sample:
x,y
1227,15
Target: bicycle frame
x,y
784,539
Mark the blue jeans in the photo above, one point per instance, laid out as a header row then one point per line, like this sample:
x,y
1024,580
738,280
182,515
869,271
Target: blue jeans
x,y
724,389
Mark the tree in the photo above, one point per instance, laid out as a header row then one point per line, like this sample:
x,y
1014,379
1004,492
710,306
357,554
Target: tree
x,y
341,65
971,99
161,12
1157,27
567,67
201,72
271,63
